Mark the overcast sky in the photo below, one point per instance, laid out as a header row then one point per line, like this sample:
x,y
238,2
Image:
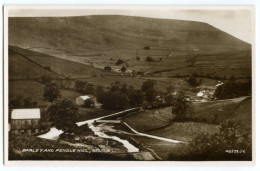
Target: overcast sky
x,y
233,21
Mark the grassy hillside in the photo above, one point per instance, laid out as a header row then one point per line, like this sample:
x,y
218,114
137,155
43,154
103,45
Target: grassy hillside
x,y
207,113
22,68
33,89
24,62
179,47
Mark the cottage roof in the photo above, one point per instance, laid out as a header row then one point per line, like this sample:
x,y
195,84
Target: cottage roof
x,y
26,114
87,97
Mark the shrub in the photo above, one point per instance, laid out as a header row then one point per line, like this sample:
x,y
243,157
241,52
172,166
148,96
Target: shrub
x,y
107,68
45,79
123,69
192,81
149,59
233,89
182,108
119,61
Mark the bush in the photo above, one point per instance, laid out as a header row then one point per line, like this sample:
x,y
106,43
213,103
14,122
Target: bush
x,y
192,81
22,102
123,69
182,108
89,103
146,48
119,61
114,100
233,89
218,146
45,79
107,68
150,59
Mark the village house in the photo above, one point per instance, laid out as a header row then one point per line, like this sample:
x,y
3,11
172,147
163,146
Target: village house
x,y
81,99
25,121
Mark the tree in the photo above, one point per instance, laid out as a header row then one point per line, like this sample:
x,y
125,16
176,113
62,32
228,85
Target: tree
x,y
136,97
79,86
17,102
119,61
193,82
149,59
233,89
89,88
116,86
63,114
28,102
51,92
182,108
89,103
107,68
149,84
46,79
138,58
123,69
22,102
150,95
99,91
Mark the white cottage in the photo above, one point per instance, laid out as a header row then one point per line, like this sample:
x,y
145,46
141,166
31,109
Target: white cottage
x,y
81,99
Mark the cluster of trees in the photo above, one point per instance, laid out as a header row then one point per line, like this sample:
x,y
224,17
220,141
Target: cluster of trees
x,y
84,87
219,145
233,89
22,102
119,96
193,81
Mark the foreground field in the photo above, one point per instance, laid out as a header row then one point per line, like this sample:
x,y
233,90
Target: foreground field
x,y
207,117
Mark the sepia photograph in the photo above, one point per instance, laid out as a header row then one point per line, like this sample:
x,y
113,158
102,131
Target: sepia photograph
x,y
129,83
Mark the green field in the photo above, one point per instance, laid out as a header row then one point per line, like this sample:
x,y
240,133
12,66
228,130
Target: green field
x,y
21,68
159,122
33,89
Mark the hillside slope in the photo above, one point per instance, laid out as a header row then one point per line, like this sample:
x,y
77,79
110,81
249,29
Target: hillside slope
x,y
24,64
178,47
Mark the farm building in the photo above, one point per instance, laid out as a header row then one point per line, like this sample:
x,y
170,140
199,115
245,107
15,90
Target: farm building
x,y
81,99
25,121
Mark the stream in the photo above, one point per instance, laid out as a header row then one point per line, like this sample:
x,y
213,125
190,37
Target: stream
x,y
54,133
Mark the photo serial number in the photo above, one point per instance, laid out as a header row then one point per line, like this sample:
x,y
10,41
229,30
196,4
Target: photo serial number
x,y
235,151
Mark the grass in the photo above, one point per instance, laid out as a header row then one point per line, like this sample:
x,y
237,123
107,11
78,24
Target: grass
x,y
33,89
221,110
21,68
159,122
185,131
60,66
150,119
